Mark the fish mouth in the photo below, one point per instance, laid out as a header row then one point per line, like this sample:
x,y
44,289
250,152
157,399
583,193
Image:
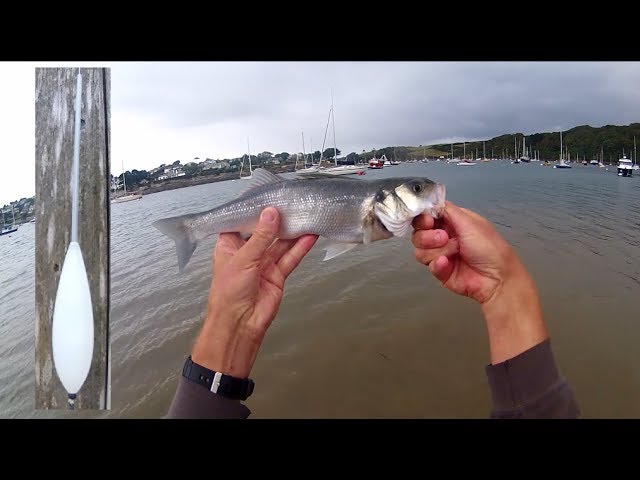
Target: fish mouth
x,y
437,199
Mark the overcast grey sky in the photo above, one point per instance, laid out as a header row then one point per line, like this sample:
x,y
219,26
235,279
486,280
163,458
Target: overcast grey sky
x,y
17,133
162,112
177,111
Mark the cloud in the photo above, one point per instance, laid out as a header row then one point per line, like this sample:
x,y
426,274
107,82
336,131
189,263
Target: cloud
x,y
17,131
162,112
165,112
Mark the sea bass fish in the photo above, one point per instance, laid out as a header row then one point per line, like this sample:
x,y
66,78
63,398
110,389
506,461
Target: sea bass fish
x,y
347,211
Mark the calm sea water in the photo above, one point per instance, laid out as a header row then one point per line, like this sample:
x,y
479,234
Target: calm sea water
x,y
370,333
17,322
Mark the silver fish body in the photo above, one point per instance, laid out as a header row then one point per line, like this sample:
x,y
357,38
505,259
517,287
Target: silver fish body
x,y
349,212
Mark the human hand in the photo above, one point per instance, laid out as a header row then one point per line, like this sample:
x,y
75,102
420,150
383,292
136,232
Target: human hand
x,y
471,258
245,294
467,254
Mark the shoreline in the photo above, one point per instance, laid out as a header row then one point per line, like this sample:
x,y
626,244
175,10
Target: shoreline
x,y
177,183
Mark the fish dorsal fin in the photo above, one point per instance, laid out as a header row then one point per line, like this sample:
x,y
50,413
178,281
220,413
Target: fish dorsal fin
x,y
259,178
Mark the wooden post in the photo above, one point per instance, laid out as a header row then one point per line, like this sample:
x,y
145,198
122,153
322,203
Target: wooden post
x,y
55,119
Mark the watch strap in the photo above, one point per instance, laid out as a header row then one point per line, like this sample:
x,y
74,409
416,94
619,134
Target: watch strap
x,y
217,382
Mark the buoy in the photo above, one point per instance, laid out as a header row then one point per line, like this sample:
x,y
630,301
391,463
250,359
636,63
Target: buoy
x,y
72,328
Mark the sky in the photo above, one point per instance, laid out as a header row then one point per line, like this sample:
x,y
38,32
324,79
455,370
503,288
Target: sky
x,y
162,112
17,145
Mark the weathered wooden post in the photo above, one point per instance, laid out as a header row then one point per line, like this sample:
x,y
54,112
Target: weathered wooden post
x,y
55,99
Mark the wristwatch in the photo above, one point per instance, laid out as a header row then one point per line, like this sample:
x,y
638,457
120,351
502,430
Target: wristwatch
x,y
216,382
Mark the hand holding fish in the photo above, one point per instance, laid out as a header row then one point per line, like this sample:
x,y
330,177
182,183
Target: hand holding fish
x,y
246,291
467,254
471,258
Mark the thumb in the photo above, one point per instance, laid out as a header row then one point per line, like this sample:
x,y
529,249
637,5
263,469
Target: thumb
x,y
262,238
457,217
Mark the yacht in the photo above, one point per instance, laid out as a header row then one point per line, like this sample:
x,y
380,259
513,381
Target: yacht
x,y
337,169
250,176
6,229
344,170
376,163
127,197
524,158
625,167
561,163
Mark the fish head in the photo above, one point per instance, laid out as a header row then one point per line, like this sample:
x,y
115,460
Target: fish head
x,y
397,206
423,196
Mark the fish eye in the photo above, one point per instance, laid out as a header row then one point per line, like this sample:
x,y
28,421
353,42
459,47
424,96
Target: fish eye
x,y
417,187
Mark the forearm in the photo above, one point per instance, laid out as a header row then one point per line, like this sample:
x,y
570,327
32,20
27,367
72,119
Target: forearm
x,y
194,401
530,386
523,376
222,346
231,351
514,316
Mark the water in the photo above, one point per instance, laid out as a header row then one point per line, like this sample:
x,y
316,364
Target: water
x,y
371,333
17,322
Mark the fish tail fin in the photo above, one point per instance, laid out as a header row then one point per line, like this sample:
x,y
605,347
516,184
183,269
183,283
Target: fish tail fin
x,y
180,232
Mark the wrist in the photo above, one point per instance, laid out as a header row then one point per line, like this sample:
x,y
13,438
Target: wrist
x,y
231,352
514,316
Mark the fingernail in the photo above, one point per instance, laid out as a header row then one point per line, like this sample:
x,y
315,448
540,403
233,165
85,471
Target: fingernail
x,y
267,216
438,236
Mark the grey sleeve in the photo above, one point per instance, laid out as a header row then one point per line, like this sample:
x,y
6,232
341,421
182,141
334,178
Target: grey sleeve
x,y
530,386
194,401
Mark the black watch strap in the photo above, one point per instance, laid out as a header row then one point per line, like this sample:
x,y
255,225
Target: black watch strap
x,y
216,382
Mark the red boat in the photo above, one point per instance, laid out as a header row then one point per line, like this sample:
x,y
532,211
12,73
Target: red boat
x,y
376,163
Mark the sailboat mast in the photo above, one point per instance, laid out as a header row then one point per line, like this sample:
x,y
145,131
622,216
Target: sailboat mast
x,y
124,181
560,146
635,153
249,151
333,123
324,141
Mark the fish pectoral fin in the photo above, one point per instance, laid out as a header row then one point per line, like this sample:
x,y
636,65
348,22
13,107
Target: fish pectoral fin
x,y
338,248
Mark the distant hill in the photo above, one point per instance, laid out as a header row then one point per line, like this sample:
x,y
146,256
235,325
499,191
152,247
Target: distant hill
x,y
583,140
